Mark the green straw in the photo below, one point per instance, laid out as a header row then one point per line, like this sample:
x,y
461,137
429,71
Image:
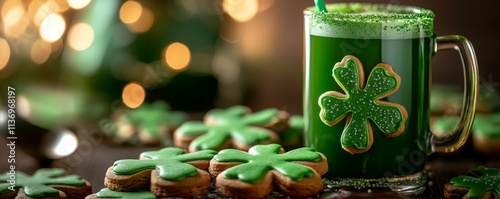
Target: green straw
x,y
320,4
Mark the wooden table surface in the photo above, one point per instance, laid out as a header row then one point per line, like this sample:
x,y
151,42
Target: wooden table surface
x,y
95,155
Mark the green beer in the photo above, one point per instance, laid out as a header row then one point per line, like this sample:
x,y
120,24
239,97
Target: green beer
x,y
402,39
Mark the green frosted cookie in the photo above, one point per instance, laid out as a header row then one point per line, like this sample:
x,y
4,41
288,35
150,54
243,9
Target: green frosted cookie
x,y
43,183
235,127
442,126
108,193
448,100
363,104
486,134
485,131
487,125
445,100
293,137
169,172
149,124
480,182
255,173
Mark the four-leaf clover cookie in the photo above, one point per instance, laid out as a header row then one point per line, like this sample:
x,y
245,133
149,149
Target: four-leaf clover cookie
x,y
266,168
108,193
479,183
486,134
44,183
362,104
485,131
294,136
149,124
235,127
169,172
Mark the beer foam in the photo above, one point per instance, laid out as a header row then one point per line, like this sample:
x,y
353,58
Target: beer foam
x,y
370,21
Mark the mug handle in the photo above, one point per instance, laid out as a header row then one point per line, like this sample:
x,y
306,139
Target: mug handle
x,y
458,136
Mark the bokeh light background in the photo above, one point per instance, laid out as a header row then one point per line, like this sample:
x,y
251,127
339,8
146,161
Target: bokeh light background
x,y
77,60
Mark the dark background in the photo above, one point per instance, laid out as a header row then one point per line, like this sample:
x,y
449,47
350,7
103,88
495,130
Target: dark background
x,y
269,48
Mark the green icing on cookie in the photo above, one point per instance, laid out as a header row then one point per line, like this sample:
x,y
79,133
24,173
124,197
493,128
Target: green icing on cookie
x,y
445,96
450,98
262,158
442,126
170,162
37,186
108,193
483,171
149,118
488,180
234,123
296,124
362,103
487,125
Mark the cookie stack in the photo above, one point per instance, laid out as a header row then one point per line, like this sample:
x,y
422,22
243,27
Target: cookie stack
x,y
44,183
150,124
236,127
480,182
169,172
446,104
232,150
173,172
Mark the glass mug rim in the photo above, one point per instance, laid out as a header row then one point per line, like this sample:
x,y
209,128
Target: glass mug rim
x,y
387,12
370,21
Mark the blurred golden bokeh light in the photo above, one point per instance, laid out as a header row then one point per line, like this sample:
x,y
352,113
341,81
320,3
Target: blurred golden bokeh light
x,y
130,12
133,95
35,9
61,5
177,56
144,23
12,11
5,53
241,10
23,107
80,36
52,27
265,4
14,18
78,4
62,146
39,10
52,6
17,29
40,51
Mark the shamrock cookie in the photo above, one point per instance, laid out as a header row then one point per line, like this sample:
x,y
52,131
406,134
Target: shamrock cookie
x,y
362,104
481,182
485,131
442,126
108,193
486,134
293,137
235,127
45,183
169,172
266,168
148,124
447,100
